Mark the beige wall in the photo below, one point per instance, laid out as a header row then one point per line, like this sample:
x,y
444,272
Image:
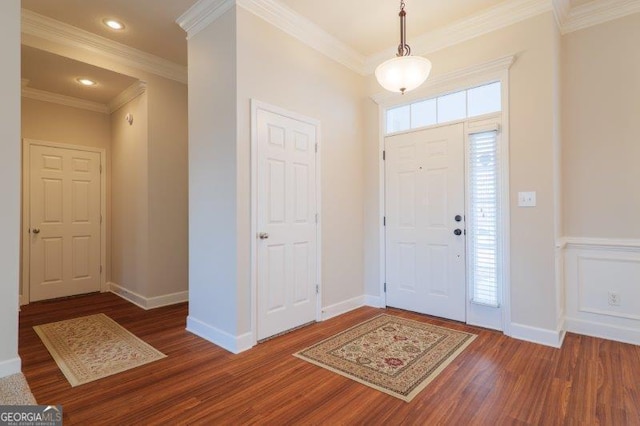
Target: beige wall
x,y
277,69
149,175
534,41
47,121
168,187
150,220
601,172
9,185
51,122
601,112
130,203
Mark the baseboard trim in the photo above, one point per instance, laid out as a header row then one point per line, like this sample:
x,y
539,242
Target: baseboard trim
x,y
167,299
374,301
603,331
228,342
23,300
541,336
10,367
342,307
147,303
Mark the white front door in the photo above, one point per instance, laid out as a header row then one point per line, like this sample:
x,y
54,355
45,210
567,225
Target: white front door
x,y
425,195
64,222
286,223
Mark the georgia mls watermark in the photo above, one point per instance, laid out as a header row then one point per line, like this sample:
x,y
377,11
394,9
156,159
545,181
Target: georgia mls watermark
x,y
30,415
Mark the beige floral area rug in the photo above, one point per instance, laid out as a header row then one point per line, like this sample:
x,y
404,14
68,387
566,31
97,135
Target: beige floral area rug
x,y
14,390
90,348
394,355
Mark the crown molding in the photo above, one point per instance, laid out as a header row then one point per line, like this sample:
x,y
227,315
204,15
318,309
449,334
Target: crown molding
x,y
280,16
495,18
301,28
127,95
451,80
42,95
598,12
49,29
201,14
503,15
561,10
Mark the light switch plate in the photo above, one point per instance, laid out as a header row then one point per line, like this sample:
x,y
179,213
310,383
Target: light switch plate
x,y
526,199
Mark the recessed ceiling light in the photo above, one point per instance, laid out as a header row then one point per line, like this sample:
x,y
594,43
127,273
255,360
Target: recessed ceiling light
x,y
86,82
113,24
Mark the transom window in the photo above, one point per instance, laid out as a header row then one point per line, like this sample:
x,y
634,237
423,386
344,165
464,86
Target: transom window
x,y
455,106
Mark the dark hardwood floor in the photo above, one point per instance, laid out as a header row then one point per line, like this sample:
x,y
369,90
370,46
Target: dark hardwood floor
x,y
496,380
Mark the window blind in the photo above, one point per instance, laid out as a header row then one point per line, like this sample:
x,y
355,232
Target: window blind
x,y
482,225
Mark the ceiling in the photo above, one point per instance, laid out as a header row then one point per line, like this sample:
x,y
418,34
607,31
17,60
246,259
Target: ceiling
x,y
57,74
370,26
367,26
149,24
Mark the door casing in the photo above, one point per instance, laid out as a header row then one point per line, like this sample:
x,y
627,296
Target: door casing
x,y
476,75
26,173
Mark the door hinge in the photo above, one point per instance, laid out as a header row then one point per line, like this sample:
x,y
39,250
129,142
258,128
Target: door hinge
x,y
317,218
384,221
100,268
316,148
384,155
317,288
385,287
100,168
101,219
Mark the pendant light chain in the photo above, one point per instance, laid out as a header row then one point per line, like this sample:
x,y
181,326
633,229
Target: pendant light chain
x,y
403,47
404,72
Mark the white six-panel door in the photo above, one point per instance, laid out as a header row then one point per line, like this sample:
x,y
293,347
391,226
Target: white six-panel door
x,y
286,223
425,261
64,222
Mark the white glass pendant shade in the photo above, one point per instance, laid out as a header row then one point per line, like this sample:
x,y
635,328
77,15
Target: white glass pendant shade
x,y
403,73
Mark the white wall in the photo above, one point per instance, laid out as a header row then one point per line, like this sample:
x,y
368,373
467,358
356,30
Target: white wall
x,y
225,73
213,262
533,280
278,69
601,65
9,184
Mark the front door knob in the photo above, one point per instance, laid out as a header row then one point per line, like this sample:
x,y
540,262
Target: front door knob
x,y
458,218
458,232
36,230
263,235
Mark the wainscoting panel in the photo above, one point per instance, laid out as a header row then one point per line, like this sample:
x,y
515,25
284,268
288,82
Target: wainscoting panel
x,y
603,288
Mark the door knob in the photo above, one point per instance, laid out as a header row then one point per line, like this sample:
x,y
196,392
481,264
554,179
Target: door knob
x,y
263,235
458,232
36,230
458,218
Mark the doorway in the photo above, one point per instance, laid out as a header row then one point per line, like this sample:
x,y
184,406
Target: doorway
x,y
286,225
63,228
425,235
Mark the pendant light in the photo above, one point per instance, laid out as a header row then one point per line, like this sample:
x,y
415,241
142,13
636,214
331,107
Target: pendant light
x,y
404,72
